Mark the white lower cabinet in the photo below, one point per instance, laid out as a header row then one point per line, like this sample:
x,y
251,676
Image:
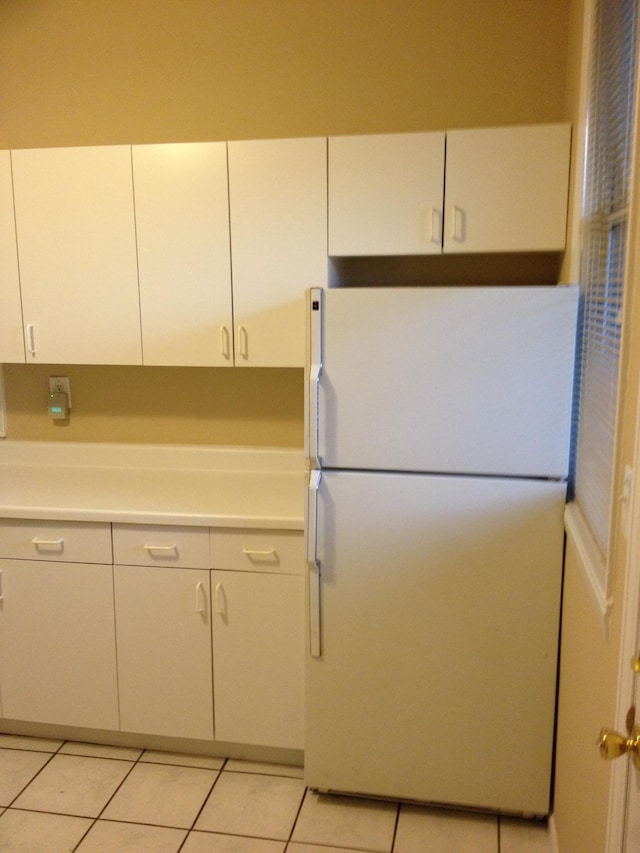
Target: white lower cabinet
x,y
258,637
163,631
258,653
126,627
164,652
57,641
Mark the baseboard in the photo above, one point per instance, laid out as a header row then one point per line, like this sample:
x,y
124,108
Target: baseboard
x,y
554,847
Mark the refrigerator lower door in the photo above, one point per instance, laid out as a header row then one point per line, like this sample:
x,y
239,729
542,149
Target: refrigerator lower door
x,y
439,612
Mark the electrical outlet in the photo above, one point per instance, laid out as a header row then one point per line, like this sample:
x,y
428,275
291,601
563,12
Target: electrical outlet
x,y
60,384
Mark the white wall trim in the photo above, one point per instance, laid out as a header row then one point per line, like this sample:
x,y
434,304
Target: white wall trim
x,y
553,835
3,408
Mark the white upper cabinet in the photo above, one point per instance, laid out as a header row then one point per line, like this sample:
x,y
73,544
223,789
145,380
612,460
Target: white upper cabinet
x,y
506,189
385,194
77,254
501,190
182,225
11,338
278,201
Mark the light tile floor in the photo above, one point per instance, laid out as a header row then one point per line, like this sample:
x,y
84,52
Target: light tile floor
x,y
60,796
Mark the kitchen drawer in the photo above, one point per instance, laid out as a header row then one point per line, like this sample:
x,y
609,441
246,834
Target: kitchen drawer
x,y
68,541
161,545
277,551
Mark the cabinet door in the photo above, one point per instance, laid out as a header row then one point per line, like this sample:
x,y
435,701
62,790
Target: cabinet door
x,y
57,643
258,658
506,189
77,251
163,628
182,227
386,194
11,339
278,199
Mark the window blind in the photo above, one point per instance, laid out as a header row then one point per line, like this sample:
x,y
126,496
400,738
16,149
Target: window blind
x,y
606,191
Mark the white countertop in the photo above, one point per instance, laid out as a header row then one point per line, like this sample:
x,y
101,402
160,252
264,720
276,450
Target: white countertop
x,y
153,484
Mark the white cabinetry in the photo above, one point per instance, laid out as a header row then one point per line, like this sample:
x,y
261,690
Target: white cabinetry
x,y
506,189
11,338
385,194
57,642
502,190
182,227
258,636
77,253
163,630
278,209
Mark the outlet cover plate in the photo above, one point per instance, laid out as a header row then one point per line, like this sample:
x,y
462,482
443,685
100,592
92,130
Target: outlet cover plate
x,y
60,383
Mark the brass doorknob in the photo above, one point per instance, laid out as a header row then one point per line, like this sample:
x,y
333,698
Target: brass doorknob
x,y
613,745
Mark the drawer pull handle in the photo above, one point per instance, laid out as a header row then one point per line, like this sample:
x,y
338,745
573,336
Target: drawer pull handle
x,y
255,552
47,543
148,547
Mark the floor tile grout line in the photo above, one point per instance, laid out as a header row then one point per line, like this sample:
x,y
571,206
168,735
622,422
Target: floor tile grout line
x,y
35,776
305,793
93,819
202,805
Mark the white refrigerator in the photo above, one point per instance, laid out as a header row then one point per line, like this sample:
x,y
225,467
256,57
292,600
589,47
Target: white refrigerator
x,y
437,436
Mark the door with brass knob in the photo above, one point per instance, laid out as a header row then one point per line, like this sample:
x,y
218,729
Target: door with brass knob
x,y
613,745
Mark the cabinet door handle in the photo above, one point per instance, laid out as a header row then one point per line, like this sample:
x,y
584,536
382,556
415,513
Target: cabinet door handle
x,y
432,226
201,599
458,224
1,587
220,599
31,339
244,341
225,342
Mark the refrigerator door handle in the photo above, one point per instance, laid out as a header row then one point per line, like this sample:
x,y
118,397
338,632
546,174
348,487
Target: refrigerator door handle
x,y
314,371
312,414
313,565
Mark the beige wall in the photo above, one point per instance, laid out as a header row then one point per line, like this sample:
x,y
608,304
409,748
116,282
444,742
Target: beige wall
x,y
84,72
77,72
156,404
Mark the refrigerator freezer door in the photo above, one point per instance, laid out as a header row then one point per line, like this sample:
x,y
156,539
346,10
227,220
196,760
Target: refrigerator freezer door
x,y
466,380
440,601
